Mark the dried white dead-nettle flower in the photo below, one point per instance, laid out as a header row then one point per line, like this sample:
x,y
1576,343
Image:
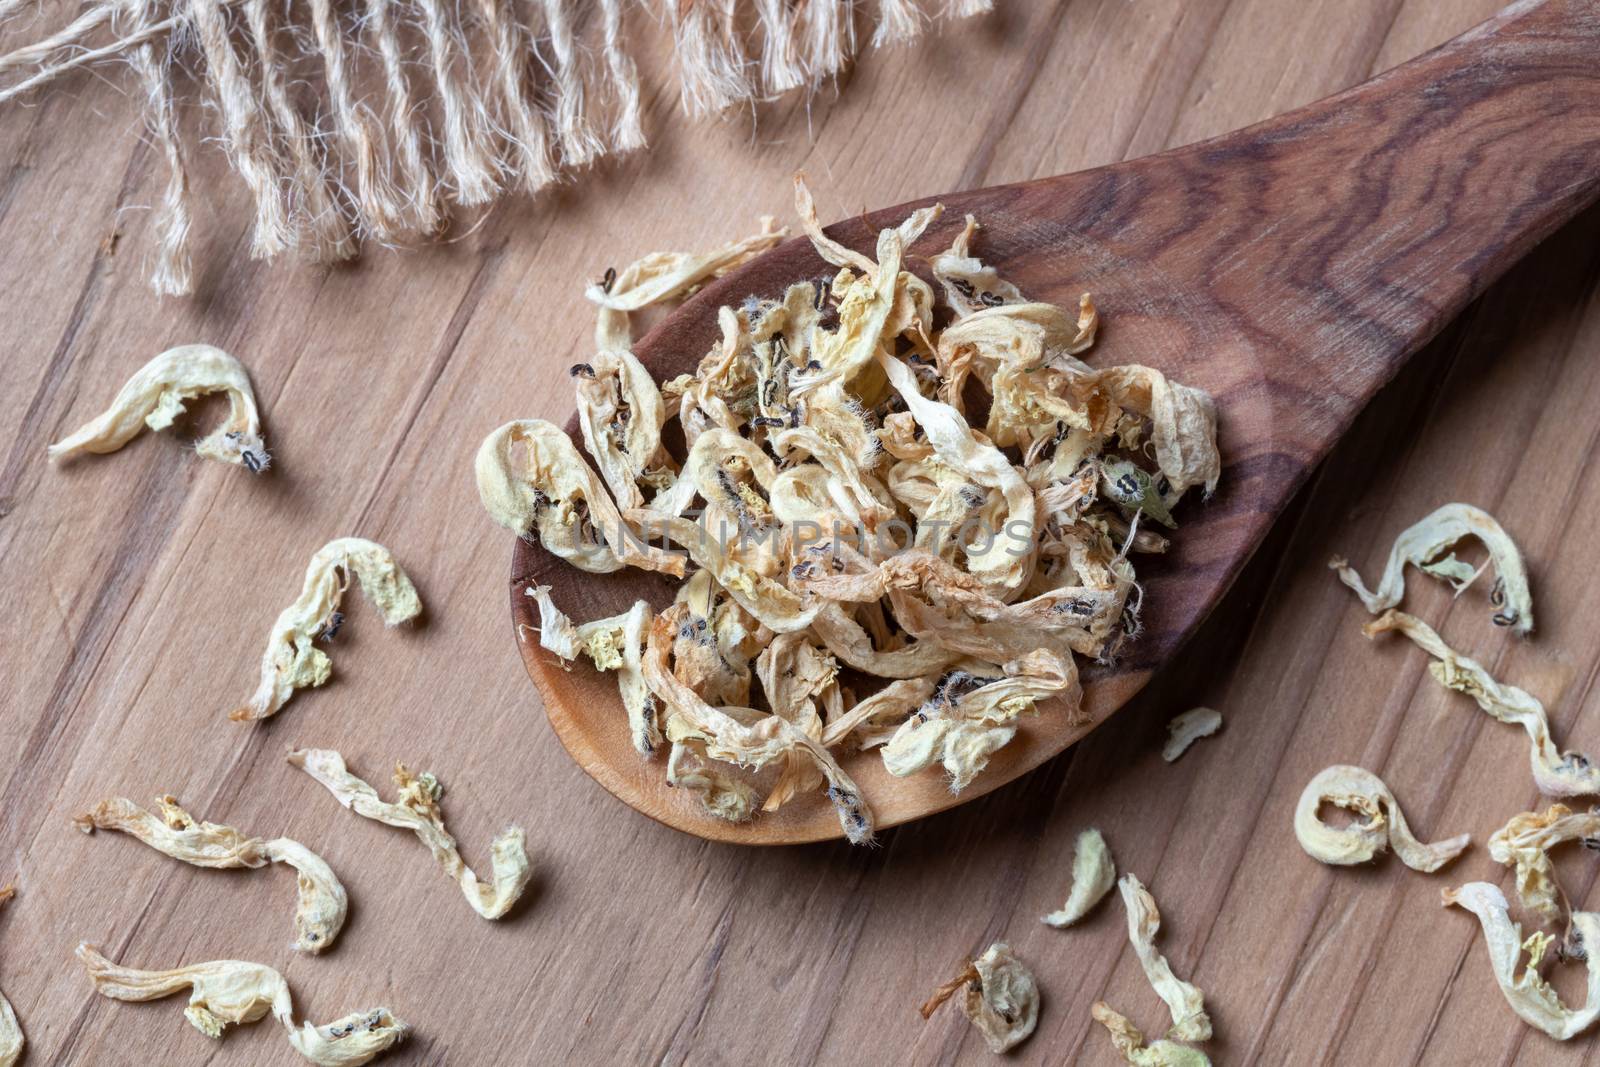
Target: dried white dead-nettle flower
x,y
839,406
1189,1019
1186,729
1382,824
1556,773
1525,843
320,903
1427,545
417,810
224,993
292,660
1001,998
155,396
1129,1041
1530,996
1093,875
11,1040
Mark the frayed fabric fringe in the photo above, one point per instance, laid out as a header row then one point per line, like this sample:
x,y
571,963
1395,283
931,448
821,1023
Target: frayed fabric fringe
x,y
415,105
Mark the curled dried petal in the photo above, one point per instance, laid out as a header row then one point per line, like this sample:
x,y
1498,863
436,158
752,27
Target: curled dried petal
x,y
1382,824
292,660
1525,843
1426,546
224,993
1129,1041
1187,728
1189,1019
1530,996
1093,875
320,904
1556,773
531,479
155,396
417,810
974,716
1001,999
722,795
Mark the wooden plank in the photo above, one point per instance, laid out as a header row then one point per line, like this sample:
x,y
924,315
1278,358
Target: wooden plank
x,y
139,587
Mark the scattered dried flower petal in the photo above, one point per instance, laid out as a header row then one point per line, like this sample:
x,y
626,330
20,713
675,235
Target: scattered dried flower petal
x,y
1426,546
1093,875
417,810
1129,1041
155,396
1525,843
1556,773
1189,1019
320,902
1187,728
1002,999
292,660
1530,996
1381,825
224,993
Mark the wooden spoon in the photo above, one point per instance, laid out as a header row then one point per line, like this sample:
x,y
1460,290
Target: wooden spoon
x,y
1289,269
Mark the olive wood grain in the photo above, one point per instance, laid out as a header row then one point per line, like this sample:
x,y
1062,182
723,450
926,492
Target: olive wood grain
x,y
1289,269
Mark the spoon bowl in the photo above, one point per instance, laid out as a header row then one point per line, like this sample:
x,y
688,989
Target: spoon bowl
x,y
1288,269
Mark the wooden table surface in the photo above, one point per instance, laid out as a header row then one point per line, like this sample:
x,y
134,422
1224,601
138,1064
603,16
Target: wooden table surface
x,y
138,588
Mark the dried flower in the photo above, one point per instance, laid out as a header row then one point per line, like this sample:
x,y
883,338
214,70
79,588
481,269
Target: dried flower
x,y
1129,1041
1187,728
292,660
1525,843
224,993
1530,996
155,396
417,810
1556,773
1189,1019
1001,1000
1381,825
1426,546
1093,875
320,903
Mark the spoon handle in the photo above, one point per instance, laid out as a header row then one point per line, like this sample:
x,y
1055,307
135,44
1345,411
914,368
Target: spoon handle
x,y
1334,241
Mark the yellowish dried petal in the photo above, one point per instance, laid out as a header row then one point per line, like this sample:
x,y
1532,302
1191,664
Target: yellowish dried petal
x,y
971,716
155,396
970,286
292,660
744,736
320,903
1382,824
1001,997
224,993
11,1039
417,810
1426,546
531,479
1556,773
1525,843
1093,875
1530,996
1189,1019
1187,728
1129,1042
722,795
